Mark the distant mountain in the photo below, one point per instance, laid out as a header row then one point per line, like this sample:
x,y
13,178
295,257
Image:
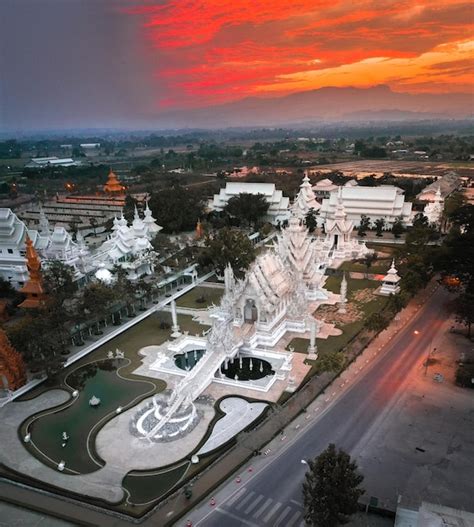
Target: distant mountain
x,y
324,104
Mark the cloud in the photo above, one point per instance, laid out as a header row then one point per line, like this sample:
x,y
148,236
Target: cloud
x,y
212,51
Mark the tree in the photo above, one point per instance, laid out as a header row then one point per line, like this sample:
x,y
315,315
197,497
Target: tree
x,y
59,279
247,207
177,209
363,225
379,225
331,361
369,259
464,308
397,228
331,489
311,220
227,246
129,208
96,299
376,322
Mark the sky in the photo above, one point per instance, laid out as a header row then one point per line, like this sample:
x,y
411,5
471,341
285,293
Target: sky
x,y
78,63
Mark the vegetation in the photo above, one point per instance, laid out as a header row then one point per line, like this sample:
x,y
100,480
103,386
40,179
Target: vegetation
x,y
331,489
246,207
227,246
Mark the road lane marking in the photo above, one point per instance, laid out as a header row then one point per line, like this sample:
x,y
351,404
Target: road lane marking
x,y
296,503
236,496
293,519
245,500
272,512
282,516
235,517
260,511
252,506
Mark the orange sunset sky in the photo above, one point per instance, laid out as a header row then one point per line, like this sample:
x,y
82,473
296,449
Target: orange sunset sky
x,y
213,51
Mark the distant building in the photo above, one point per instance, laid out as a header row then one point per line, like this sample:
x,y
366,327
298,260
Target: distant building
x,y
323,188
278,204
79,210
90,145
447,184
45,162
386,201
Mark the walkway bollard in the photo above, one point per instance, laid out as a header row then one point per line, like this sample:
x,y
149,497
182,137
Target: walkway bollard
x,y
238,480
213,502
250,469
189,523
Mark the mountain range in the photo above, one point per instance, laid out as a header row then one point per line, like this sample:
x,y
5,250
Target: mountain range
x,y
324,104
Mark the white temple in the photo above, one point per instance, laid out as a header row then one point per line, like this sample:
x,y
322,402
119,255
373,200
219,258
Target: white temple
x,y
338,244
434,209
278,210
385,202
305,200
128,246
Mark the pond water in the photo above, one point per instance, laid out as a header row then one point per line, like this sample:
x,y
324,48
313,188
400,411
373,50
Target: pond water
x,y
187,361
98,379
252,369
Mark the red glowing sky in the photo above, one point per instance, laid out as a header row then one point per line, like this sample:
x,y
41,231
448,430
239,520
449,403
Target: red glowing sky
x,y
213,51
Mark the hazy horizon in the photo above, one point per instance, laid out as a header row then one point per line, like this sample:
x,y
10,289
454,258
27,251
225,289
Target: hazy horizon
x,y
133,64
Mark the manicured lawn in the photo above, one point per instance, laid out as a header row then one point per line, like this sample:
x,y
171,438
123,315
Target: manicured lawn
x,y
333,284
208,294
381,266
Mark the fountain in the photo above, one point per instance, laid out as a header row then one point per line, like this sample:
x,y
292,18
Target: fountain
x,y
94,401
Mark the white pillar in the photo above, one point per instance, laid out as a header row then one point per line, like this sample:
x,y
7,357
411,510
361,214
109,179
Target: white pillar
x,y
312,348
174,316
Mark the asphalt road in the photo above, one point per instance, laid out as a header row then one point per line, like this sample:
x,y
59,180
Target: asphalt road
x,y
273,496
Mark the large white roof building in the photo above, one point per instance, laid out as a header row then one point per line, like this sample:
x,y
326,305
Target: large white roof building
x,y
278,204
387,202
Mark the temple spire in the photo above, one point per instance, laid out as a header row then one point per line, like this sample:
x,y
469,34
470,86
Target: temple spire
x,y
33,289
113,184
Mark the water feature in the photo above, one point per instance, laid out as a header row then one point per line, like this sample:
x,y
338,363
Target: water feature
x,y
247,368
98,379
187,361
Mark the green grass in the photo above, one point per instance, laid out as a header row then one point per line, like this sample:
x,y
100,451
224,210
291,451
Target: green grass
x,y
210,296
333,284
379,267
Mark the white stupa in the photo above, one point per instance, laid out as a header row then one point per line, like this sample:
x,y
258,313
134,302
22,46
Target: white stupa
x,y
390,282
305,200
150,223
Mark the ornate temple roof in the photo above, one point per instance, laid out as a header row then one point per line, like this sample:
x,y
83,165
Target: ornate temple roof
x,y
150,222
305,200
113,184
339,224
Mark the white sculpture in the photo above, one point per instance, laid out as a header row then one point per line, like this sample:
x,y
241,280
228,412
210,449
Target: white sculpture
x,y
343,300
94,401
312,348
174,317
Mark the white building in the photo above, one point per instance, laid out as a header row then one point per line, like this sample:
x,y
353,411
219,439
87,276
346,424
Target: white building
x,y
323,188
447,184
44,162
434,209
338,244
56,244
278,210
386,201
128,247
305,200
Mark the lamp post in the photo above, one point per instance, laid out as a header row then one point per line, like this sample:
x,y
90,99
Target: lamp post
x,y
430,352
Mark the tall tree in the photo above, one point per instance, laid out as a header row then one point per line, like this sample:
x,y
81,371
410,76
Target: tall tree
x,y
364,225
177,209
397,228
331,489
228,246
311,220
379,225
129,207
59,279
247,207
368,261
